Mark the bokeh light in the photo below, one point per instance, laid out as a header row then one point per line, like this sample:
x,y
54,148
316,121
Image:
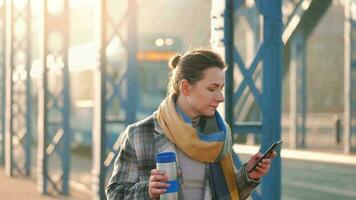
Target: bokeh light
x,y
169,41
159,42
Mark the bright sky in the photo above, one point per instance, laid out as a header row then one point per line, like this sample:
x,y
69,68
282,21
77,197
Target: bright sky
x,y
56,3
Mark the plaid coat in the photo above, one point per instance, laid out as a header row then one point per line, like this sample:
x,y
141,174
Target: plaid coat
x,y
139,144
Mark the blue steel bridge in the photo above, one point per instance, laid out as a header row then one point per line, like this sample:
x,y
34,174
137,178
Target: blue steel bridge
x,y
74,74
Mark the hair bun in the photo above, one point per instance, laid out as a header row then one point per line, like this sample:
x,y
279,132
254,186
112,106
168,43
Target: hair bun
x,y
174,61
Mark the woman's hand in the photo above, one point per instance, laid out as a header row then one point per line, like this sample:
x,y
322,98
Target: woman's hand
x,y
262,168
156,184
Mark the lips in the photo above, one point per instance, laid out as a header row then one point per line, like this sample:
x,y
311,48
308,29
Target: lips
x,y
214,107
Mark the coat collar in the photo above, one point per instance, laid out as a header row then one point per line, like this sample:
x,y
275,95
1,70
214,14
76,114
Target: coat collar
x,y
164,145
162,142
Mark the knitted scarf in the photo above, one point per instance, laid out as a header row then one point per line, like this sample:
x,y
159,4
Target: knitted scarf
x,y
212,148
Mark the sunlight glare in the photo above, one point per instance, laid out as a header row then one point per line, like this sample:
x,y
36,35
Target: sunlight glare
x,y
353,11
55,42
55,7
20,28
250,3
20,4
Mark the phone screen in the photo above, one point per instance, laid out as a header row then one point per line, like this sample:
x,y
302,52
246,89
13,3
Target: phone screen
x,y
269,150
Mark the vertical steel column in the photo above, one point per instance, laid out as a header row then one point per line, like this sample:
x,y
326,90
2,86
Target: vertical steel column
x,y
99,130
18,91
54,105
116,84
132,71
349,75
2,81
272,83
298,95
229,59
270,54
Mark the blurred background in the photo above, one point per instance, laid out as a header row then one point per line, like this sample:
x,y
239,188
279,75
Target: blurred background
x,y
75,73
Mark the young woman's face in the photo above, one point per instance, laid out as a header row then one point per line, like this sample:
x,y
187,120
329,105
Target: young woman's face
x,y
205,95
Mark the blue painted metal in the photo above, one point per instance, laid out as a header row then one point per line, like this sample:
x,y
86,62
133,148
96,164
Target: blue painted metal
x,y
247,106
270,54
228,42
248,79
116,86
242,100
291,21
349,75
272,83
54,109
305,17
222,26
248,127
246,109
132,71
99,129
298,26
18,102
298,94
2,82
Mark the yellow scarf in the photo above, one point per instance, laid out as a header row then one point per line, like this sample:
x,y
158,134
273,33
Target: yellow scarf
x,y
186,138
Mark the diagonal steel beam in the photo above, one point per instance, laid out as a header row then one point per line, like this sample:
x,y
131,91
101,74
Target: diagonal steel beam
x,y
18,90
53,119
122,82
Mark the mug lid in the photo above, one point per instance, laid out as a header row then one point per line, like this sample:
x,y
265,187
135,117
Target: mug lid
x,y
166,157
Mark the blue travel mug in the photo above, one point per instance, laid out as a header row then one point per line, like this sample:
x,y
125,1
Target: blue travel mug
x,y
166,162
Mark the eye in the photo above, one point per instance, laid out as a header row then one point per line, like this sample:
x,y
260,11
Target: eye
x,y
211,89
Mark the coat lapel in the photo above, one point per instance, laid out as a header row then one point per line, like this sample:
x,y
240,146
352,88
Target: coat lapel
x,y
164,145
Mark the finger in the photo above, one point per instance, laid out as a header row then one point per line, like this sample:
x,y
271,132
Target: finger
x,y
266,161
264,166
179,174
156,192
160,178
261,170
272,155
159,185
157,172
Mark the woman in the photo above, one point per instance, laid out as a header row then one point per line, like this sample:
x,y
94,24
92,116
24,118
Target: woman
x,y
188,124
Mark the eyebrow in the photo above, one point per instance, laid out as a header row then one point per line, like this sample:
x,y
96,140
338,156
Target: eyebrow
x,y
217,85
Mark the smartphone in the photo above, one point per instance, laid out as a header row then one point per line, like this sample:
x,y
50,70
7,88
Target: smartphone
x,y
269,150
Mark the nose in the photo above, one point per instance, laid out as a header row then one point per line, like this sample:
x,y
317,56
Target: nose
x,y
220,97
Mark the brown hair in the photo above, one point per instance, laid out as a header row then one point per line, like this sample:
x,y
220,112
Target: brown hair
x,y
191,66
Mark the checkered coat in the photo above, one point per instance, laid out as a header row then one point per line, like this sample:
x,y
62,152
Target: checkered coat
x,y
139,144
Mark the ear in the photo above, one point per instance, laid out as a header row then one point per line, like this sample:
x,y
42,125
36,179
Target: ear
x,y
184,87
